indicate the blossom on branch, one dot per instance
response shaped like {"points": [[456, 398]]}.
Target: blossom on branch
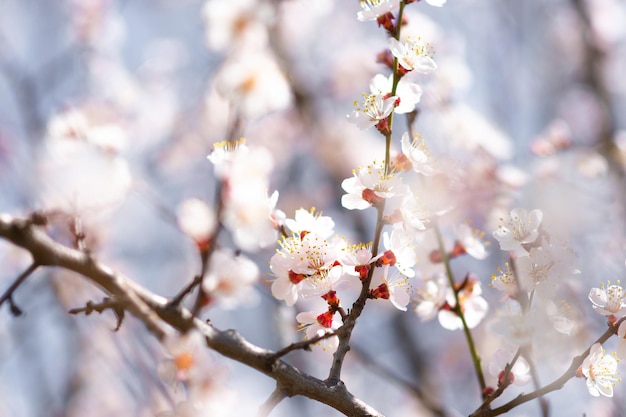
{"points": [[373, 110], [370, 186], [600, 371], [418, 154], [609, 300], [413, 55], [408, 93], [389, 284]]}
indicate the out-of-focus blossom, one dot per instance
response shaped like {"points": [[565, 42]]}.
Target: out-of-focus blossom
{"points": [[520, 372], [519, 228], [408, 93], [431, 297], [516, 326], [223, 153], [504, 280], [82, 169], [184, 356], [413, 55], [400, 243], [418, 154], [468, 129], [254, 83], [609, 300], [370, 186], [373, 109], [230, 279], [547, 263], [197, 220], [415, 215], [436, 3], [238, 22], [556, 137], [248, 211], [562, 316], [373, 9], [471, 241], [473, 306], [600, 371]]}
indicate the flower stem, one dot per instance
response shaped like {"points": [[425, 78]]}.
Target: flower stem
{"points": [[459, 311], [334, 375]]}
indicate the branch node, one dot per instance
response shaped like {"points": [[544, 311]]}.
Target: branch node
{"points": [[106, 304]]}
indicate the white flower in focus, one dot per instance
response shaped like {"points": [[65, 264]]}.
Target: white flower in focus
{"points": [[357, 260], [196, 219], [254, 83], [391, 285], [520, 228], [306, 267], [413, 55], [520, 372], [408, 93], [418, 154], [373, 109], [609, 300], [230, 278], [310, 222], [600, 371], [315, 325], [370, 186], [372, 9]]}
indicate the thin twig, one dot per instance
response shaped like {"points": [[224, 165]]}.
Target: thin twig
{"points": [[274, 399], [7, 296], [303, 345]]}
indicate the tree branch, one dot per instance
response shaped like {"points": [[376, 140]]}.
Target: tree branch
{"points": [[154, 310]]}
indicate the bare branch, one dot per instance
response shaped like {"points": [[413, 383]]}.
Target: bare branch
{"points": [[153, 310], [274, 399], [106, 304], [8, 294]]}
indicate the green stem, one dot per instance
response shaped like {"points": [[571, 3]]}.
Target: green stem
{"points": [[459, 311]]}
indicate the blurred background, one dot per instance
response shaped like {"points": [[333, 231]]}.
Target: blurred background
{"points": [[108, 110]]}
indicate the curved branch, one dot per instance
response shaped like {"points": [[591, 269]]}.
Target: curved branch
{"points": [[154, 310]]}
